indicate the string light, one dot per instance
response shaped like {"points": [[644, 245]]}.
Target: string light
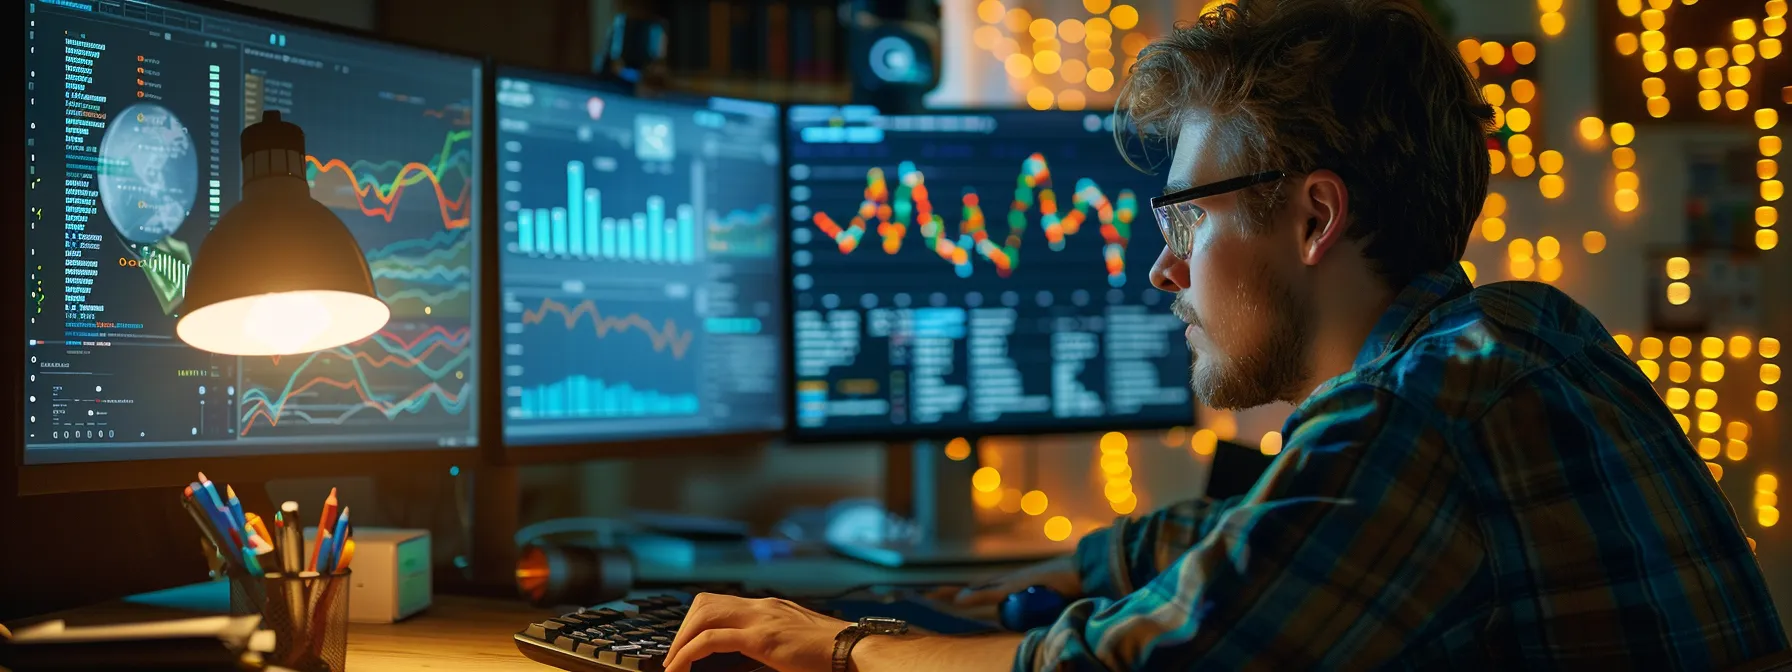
{"points": [[1712, 371], [1710, 422], [1058, 528], [1740, 347], [1770, 374], [1592, 128], [1651, 347], [1685, 58], [1709, 448], [1033, 503], [1736, 99], [1676, 398], [1679, 372], [1705, 399], [1711, 347], [1594, 243], [1735, 450], [1680, 347], [1623, 133], [1627, 43]]}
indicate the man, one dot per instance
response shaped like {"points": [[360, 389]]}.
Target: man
{"points": [[1473, 478]]}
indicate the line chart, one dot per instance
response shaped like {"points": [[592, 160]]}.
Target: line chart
{"points": [[453, 209], [895, 213], [666, 337], [311, 393]]}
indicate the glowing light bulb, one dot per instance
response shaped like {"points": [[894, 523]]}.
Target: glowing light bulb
{"points": [[1623, 133], [1685, 58], [1740, 346], [1678, 268], [1680, 347], [1551, 186], [1769, 347], [1676, 398], [1705, 399], [1594, 243], [1651, 347], [1623, 158], [1711, 347], [1712, 371], [1767, 239], [1770, 145], [1592, 128], [1205, 442], [1709, 448], [1033, 503], [1766, 400], [1058, 528], [1624, 342], [1679, 372], [1468, 269], [1770, 374]]}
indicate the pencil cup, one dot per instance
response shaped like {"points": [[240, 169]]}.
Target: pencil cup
{"points": [[309, 616], [248, 594]]}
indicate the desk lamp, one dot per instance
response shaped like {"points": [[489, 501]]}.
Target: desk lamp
{"points": [[280, 274]]}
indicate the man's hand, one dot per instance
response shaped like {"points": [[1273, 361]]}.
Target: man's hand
{"points": [[775, 632], [1059, 574]]}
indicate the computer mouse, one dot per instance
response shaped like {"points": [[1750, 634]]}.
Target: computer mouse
{"points": [[1035, 607]]}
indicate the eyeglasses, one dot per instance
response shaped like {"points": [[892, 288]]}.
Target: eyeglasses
{"points": [[1177, 214]]}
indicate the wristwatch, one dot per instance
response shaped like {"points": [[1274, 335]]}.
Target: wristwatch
{"points": [[869, 625]]}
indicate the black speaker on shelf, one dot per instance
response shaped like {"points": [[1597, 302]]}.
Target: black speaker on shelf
{"points": [[893, 48]]}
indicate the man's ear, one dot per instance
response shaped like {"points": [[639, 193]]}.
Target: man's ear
{"points": [[1323, 203]]}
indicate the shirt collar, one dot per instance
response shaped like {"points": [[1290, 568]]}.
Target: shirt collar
{"points": [[1411, 306]]}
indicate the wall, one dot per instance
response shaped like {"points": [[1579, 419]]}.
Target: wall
{"points": [[350, 13]]}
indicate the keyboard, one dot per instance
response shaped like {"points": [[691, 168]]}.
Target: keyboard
{"points": [[629, 634]]}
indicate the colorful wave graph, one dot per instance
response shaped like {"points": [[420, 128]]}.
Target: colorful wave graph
{"points": [[426, 276], [370, 179], [667, 337], [367, 369], [895, 213]]}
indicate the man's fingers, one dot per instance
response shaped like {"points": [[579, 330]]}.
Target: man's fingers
{"points": [[706, 643], [709, 610]]}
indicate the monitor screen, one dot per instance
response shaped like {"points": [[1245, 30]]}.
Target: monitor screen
{"points": [[642, 291], [975, 273], [134, 111]]}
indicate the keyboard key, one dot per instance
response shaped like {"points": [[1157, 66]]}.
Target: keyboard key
{"points": [[642, 662], [566, 643], [536, 631]]}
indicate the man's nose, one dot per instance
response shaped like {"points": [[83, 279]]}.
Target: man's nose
{"points": [[1169, 273]]}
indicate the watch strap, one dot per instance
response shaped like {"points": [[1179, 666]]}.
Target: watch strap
{"points": [[843, 644]]}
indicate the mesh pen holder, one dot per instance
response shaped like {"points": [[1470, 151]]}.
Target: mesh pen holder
{"points": [[308, 614]]}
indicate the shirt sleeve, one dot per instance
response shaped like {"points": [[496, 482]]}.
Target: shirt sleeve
{"points": [[1115, 560], [1353, 541]]}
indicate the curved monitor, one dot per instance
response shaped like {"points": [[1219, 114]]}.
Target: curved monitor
{"points": [[641, 265], [133, 114], [974, 273]]}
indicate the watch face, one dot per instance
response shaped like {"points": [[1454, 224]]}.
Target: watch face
{"points": [[880, 625]]}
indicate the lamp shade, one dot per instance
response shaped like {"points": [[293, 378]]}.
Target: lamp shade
{"points": [[280, 274]]}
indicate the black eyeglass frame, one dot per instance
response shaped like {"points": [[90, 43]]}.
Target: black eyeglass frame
{"points": [[1180, 238]]}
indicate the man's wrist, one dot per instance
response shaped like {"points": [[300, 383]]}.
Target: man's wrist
{"points": [[872, 647]]}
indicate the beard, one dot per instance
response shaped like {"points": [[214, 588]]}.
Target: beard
{"points": [[1269, 370]]}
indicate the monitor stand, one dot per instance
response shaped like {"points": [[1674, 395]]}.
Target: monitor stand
{"points": [[922, 484]]}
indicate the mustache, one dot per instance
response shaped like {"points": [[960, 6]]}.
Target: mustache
{"points": [[1184, 311]]}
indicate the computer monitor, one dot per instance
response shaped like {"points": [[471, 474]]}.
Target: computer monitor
{"points": [[133, 113], [974, 273], [642, 277]]}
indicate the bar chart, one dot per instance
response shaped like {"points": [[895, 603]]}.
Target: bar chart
{"points": [[579, 229], [582, 397]]}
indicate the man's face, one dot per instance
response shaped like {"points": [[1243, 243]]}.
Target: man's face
{"points": [[1240, 290]]}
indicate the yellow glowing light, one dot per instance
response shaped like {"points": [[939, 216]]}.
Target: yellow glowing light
{"points": [[1098, 27], [1117, 490], [1736, 99], [1627, 44], [1710, 422], [1767, 483], [1100, 79], [1043, 29], [1717, 470], [1766, 117], [1496, 161], [1676, 398], [1772, 190], [1039, 98], [1767, 516], [1206, 442], [1770, 145], [1653, 41], [1549, 270], [1738, 75], [1125, 506], [1113, 464], [1058, 528], [1653, 19], [958, 449], [1519, 144], [991, 11], [1711, 347], [1010, 500], [1018, 66], [1520, 248], [1651, 347], [1766, 400], [1018, 19], [1743, 28], [1519, 120], [1493, 229], [1468, 269], [1134, 43], [1521, 268], [1776, 9], [1678, 268], [1717, 57], [1113, 442], [1710, 100], [1625, 200], [1548, 247], [1685, 58], [1469, 49], [1551, 186], [1705, 399], [1033, 503], [1070, 30], [1225, 425], [1658, 107], [1709, 448], [1654, 86], [1737, 430], [1685, 422], [1743, 54], [1592, 128], [1124, 17], [1766, 499], [1550, 161], [1655, 61], [1623, 158], [1494, 93], [1523, 90], [1626, 180], [1494, 205], [1099, 42], [1523, 165], [1740, 347], [1623, 133], [1552, 24], [1680, 347], [1679, 293], [1047, 62], [986, 479], [1679, 372], [989, 500], [1650, 369], [1073, 71], [1096, 6], [1770, 374], [1271, 443], [1767, 239], [1492, 53], [1768, 347], [1624, 342], [1071, 99], [1766, 169], [1593, 242], [1525, 52], [1630, 7], [1771, 47]]}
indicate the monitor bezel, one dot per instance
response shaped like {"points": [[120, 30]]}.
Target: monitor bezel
{"points": [[352, 459], [501, 450], [798, 435]]}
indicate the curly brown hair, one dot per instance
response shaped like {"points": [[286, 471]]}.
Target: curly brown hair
{"points": [[1368, 89]]}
